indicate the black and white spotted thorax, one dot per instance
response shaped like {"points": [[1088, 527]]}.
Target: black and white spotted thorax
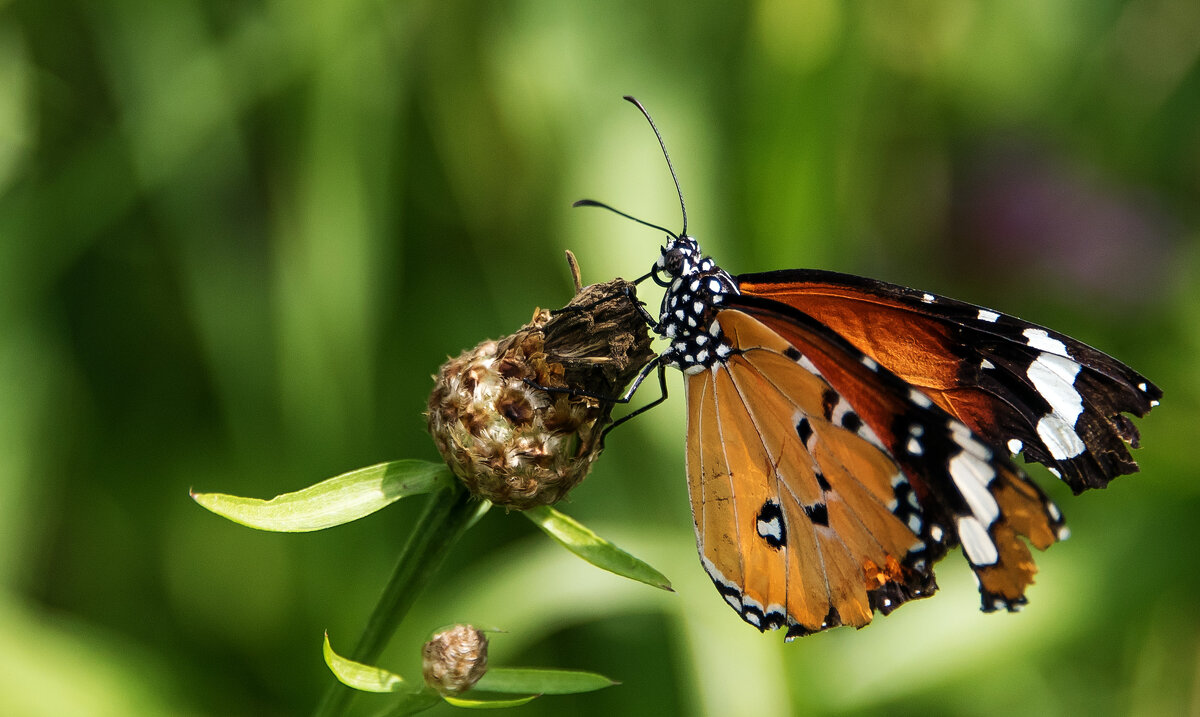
{"points": [[696, 287]]}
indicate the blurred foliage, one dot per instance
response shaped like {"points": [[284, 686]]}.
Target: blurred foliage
{"points": [[236, 238]]}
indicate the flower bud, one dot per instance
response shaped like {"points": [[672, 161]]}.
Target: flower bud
{"points": [[518, 445], [454, 659]]}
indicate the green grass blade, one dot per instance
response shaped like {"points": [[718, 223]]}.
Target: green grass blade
{"points": [[480, 704], [331, 502], [522, 680], [572, 535], [359, 676]]}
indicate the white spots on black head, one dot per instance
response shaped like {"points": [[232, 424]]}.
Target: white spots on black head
{"points": [[976, 542], [988, 316], [928, 298], [1015, 445], [770, 525], [715, 286]]}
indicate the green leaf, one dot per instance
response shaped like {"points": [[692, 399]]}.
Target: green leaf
{"points": [[594, 549], [331, 502], [475, 703], [413, 702], [359, 676], [521, 680]]}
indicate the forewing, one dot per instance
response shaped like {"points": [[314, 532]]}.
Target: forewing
{"points": [[1015, 384]]}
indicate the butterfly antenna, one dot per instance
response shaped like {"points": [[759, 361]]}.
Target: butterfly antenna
{"points": [[602, 205], [666, 155]]}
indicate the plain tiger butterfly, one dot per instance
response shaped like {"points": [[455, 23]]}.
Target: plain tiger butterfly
{"points": [[844, 434]]}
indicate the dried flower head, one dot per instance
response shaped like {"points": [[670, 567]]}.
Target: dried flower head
{"points": [[520, 446], [454, 659]]}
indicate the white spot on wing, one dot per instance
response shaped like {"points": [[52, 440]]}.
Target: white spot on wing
{"points": [[967, 441], [976, 542], [870, 363], [770, 529], [1054, 378], [928, 298], [919, 398], [1015, 445], [989, 316], [1039, 339], [1060, 438], [972, 476]]}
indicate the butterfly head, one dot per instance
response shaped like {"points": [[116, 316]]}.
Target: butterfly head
{"points": [[680, 258]]}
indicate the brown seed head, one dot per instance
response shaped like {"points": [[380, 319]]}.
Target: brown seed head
{"points": [[454, 659], [520, 446]]}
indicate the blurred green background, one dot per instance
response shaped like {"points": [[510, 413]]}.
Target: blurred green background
{"points": [[237, 238]]}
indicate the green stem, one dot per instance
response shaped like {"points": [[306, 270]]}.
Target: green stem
{"points": [[448, 513]]}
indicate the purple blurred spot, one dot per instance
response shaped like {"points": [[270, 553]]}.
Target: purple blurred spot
{"points": [[1028, 214]]}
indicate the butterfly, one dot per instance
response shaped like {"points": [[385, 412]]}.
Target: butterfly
{"points": [[844, 434]]}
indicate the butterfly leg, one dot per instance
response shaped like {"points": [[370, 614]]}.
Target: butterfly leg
{"points": [[662, 387]]}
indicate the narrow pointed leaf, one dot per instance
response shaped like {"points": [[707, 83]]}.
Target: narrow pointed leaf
{"points": [[359, 676], [475, 703], [331, 502], [592, 548], [520, 680]]}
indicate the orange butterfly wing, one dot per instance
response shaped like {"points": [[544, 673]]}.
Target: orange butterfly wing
{"points": [[808, 510], [1014, 383]]}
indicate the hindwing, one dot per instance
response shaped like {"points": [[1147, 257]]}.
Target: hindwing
{"points": [[824, 488]]}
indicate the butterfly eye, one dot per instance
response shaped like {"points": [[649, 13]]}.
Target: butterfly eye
{"points": [[673, 262]]}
